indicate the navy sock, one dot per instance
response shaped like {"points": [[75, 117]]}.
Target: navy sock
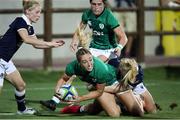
{"points": [[20, 99]]}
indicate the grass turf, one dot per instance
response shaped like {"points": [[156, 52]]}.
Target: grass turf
{"points": [[40, 86]]}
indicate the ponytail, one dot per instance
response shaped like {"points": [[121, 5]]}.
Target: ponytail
{"points": [[84, 38], [130, 69]]}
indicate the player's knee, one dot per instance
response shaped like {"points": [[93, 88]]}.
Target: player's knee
{"points": [[136, 111], [115, 114], [150, 109], [21, 86]]}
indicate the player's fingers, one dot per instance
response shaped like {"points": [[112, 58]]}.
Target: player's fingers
{"points": [[71, 79]]}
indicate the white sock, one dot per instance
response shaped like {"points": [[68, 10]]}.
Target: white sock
{"points": [[56, 100], [82, 109], [18, 93]]}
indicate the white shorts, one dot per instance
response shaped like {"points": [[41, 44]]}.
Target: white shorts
{"points": [[5, 68], [109, 53], [139, 89]]}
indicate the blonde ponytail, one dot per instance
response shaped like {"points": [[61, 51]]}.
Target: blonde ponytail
{"points": [[84, 38], [129, 68]]}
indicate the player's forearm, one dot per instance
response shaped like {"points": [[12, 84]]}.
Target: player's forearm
{"points": [[60, 82], [121, 37], [90, 95], [37, 43], [111, 89]]}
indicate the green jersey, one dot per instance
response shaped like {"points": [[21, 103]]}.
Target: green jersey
{"points": [[102, 26], [101, 73]]}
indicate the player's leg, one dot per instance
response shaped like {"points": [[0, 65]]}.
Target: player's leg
{"points": [[2, 73], [108, 103], [92, 108], [149, 104], [14, 77], [105, 102], [133, 105]]}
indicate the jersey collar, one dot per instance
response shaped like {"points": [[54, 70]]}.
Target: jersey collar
{"points": [[26, 19]]}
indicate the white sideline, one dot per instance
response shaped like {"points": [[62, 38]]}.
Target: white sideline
{"points": [[7, 114]]}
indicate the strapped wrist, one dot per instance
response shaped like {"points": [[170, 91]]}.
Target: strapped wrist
{"points": [[120, 46]]}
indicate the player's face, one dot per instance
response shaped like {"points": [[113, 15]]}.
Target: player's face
{"points": [[87, 62], [97, 6], [34, 14]]}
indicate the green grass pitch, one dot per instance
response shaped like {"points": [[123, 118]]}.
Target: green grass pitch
{"points": [[40, 86]]}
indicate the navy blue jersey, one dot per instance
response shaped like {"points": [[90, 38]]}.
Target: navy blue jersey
{"points": [[139, 77], [11, 40]]}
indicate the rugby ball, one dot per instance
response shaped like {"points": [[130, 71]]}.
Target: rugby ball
{"points": [[66, 92]]}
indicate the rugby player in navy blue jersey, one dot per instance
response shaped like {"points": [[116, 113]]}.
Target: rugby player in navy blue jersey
{"points": [[138, 86], [21, 30]]}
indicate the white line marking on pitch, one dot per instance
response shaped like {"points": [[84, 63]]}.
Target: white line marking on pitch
{"points": [[7, 114]]}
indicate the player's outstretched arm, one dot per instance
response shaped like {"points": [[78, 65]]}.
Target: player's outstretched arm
{"points": [[32, 40]]}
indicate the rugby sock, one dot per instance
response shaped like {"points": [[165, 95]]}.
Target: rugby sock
{"points": [[55, 100], [82, 109], [71, 109], [20, 99]]}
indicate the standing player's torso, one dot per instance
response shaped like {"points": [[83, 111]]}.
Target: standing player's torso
{"points": [[11, 40], [102, 28]]}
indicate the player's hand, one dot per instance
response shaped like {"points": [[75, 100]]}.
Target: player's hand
{"points": [[76, 100], [61, 42], [117, 51], [56, 43]]}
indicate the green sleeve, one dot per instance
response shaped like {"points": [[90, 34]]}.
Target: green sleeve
{"points": [[85, 16], [69, 69], [112, 21]]}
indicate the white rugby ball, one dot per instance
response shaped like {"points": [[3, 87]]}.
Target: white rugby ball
{"points": [[66, 92]]}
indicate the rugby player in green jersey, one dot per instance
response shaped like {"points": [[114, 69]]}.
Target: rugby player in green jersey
{"points": [[108, 37], [99, 74]]}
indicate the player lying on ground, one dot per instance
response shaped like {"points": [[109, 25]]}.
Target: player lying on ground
{"points": [[132, 73], [127, 64], [94, 71]]}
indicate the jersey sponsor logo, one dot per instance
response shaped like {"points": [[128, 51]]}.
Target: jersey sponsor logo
{"points": [[97, 33]]}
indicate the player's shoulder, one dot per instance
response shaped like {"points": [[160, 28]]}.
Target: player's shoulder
{"points": [[73, 65], [19, 19], [100, 65], [108, 11], [87, 12]]}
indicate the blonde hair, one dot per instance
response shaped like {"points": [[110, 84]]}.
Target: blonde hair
{"points": [[30, 4], [130, 69], [84, 37]]}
